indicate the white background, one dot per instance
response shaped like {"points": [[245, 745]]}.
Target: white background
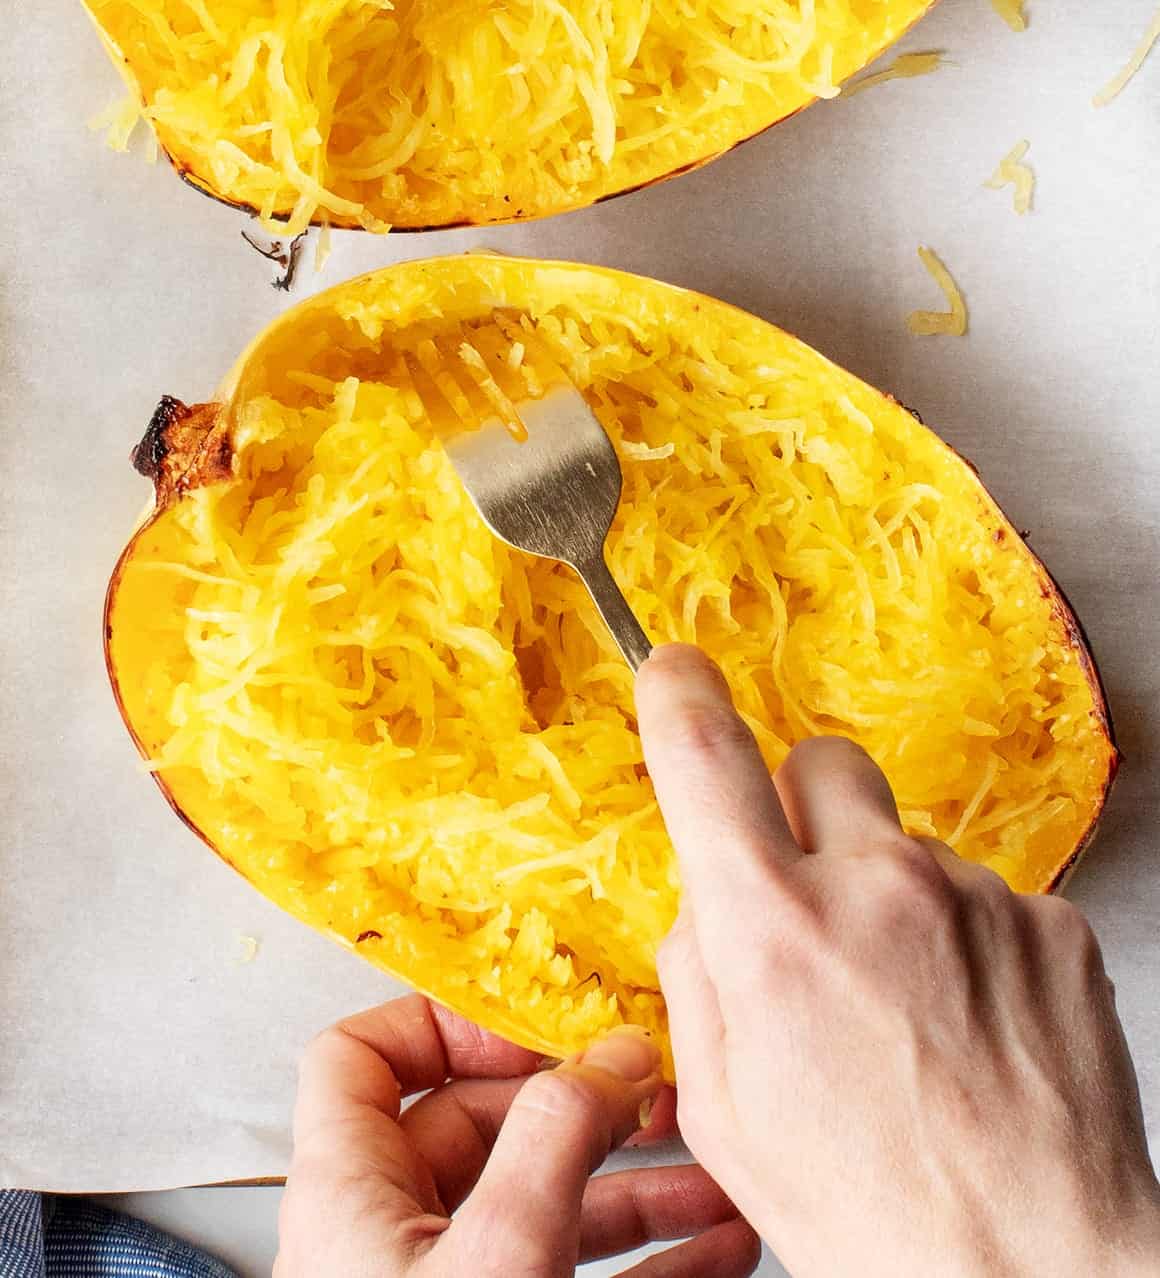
{"points": [[136, 1051]]}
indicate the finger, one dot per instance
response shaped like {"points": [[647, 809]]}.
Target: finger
{"points": [[381, 1055], [658, 1120], [454, 1128], [731, 1250], [835, 796], [352, 1079], [696, 1027], [560, 1128], [627, 1209], [712, 784]]}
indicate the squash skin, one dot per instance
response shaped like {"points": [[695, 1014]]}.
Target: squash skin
{"points": [[185, 448], [188, 167]]}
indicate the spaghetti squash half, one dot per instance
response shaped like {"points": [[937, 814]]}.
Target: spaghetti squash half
{"points": [[423, 742], [422, 113]]}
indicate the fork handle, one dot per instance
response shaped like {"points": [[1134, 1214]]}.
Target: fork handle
{"points": [[618, 616]]}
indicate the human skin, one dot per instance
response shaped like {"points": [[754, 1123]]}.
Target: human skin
{"points": [[891, 1062], [508, 1146]]}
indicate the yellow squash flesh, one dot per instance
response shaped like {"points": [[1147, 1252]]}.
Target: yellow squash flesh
{"points": [[423, 742], [430, 113]]}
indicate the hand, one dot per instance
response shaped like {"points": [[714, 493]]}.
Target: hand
{"points": [[892, 1063], [510, 1150]]}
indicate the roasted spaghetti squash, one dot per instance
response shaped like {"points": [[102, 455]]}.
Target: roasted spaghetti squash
{"points": [[418, 113], [423, 742]]}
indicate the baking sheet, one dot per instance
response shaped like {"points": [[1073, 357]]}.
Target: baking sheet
{"points": [[137, 1048]]}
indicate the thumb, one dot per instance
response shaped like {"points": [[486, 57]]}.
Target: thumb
{"points": [[524, 1214]]}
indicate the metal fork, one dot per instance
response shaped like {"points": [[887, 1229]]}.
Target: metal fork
{"points": [[553, 492]]}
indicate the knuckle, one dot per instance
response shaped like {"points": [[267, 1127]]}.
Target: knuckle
{"points": [[995, 909], [908, 877], [322, 1045], [709, 731], [826, 751], [1060, 916], [992, 889], [1067, 925], [934, 848], [563, 1099]]}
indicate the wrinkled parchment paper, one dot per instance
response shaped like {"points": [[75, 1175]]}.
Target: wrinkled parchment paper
{"points": [[138, 1047]]}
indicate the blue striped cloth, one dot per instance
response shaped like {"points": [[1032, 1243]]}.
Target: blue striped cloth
{"points": [[71, 1238]]}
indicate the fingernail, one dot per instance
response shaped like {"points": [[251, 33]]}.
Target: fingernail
{"points": [[646, 1109], [628, 1053]]}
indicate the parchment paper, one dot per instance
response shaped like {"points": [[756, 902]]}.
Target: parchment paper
{"points": [[137, 1050]]}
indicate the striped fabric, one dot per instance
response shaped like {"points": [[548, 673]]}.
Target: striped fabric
{"points": [[21, 1235], [72, 1238]]}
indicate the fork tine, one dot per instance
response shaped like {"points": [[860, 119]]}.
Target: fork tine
{"points": [[440, 412], [518, 333], [413, 404], [435, 365], [478, 369]]}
